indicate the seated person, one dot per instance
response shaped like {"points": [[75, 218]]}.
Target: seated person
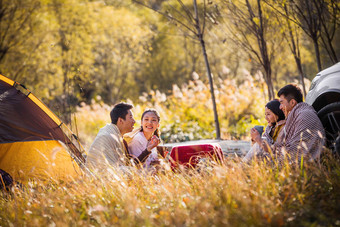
{"points": [[139, 139], [276, 120], [302, 136], [108, 147]]}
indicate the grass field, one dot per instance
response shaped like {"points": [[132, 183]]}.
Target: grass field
{"points": [[231, 194]]}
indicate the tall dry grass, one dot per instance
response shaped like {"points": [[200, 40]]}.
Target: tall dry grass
{"points": [[231, 194]]}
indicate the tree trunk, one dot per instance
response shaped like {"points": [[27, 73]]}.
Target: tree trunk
{"points": [[299, 66], [264, 51], [328, 15], [66, 113], [329, 48], [200, 36], [317, 53], [269, 83], [217, 124], [294, 47]]}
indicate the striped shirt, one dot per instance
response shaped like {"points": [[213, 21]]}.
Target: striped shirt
{"points": [[302, 136]]}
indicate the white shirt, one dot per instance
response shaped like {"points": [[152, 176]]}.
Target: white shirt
{"points": [[107, 149], [138, 144]]}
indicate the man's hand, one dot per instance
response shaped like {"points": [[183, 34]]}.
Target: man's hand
{"points": [[153, 143]]}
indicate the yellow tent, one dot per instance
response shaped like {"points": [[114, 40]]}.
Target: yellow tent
{"points": [[33, 142]]}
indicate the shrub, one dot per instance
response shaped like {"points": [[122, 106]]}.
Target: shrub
{"points": [[187, 113]]}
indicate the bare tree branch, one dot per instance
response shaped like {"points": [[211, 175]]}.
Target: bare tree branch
{"points": [[167, 16]]}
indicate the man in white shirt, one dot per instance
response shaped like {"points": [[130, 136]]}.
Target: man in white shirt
{"points": [[108, 147]]}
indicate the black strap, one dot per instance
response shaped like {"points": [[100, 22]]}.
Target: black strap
{"points": [[140, 159]]}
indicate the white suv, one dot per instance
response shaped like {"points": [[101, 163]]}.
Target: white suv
{"points": [[324, 96]]}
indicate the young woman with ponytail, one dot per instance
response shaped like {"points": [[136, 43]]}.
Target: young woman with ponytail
{"points": [[139, 139]]}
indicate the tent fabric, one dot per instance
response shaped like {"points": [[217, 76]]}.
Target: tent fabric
{"points": [[33, 143], [44, 160], [23, 117]]}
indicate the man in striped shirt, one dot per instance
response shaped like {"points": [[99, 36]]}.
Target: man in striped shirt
{"points": [[303, 136]]}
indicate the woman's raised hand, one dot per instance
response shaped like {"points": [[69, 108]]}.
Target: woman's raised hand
{"points": [[154, 141]]}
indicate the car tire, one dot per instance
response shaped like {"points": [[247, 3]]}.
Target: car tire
{"points": [[330, 118]]}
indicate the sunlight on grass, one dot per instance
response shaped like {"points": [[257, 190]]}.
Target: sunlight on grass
{"points": [[229, 194]]}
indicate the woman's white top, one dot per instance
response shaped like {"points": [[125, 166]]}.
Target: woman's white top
{"points": [[138, 144]]}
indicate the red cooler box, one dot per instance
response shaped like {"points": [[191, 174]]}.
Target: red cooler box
{"points": [[190, 155]]}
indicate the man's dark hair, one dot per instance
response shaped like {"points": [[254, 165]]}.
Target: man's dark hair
{"points": [[120, 110], [290, 92]]}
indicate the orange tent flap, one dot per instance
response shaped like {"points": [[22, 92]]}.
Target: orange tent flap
{"points": [[43, 160]]}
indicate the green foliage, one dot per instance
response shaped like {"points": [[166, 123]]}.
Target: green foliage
{"points": [[68, 52], [243, 126], [186, 113], [117, 71]]}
